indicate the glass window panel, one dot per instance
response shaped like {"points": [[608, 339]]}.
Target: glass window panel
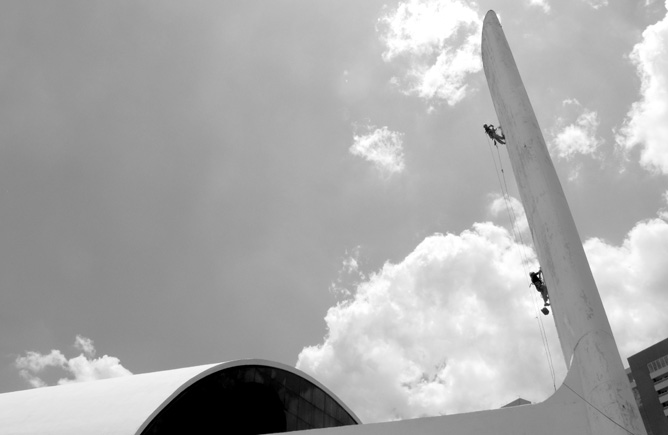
{"points": [[318, 418], [348, 420], [290, 422], [306, 390], [292, 382], [249, 376], [302, 425], [264, 371], [329, 421], [306, 411], [341, 414], [281, 393], [292, 405], [330, 406], [280, 378], [319, 398]]}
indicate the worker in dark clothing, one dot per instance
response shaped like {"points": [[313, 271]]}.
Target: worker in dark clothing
{"points": [[491, 132], [537, 281]]}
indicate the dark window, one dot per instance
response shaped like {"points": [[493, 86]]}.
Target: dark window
{"points": [[249, 400], [319, 398]]}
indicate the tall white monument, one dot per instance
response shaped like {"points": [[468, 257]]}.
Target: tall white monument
{"points": [[595, 398], [584, 331]]}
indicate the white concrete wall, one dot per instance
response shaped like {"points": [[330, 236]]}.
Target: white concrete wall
{"points": [[561, 414]]}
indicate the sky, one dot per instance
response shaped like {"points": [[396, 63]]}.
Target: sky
{"points": [[309, 182]]}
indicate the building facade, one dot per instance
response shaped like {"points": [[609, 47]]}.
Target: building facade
{"points": [[241, 397], [649, 379]]}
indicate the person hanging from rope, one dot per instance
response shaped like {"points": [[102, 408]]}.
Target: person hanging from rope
{"points": [[537, 281], [491, 132]]}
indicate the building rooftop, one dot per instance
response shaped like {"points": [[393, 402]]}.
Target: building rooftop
{"points": [[151, 402]]}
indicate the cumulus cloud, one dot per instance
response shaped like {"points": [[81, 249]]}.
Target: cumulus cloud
{"points": [[513, 209], [437, 45], [646, 124], [578, 137], [85, 345], [632, 279], [349, 275], [454, 327], [81, 368], [382, 147], [451, 328]]}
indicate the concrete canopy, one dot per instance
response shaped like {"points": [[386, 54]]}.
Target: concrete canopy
{"points": [[124, 405]]}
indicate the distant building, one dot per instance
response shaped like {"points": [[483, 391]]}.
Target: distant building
{"points": [[648, 373], [243, 397]]}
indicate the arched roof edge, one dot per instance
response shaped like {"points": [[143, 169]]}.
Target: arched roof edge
{"points": [[238, 363]]}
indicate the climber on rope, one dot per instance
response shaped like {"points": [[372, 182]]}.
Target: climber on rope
{"points": [[537, 281], [491, 132]]}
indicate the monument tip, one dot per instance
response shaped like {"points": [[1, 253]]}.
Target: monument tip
{"points": [[490, 19]]}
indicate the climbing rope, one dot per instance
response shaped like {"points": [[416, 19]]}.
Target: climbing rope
{"points": [[517, 234], [601, 412]]}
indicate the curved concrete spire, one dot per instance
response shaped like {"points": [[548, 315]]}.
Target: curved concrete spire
{"points": [[584, 331]]}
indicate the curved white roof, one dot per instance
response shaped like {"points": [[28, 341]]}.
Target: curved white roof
{"points": [[115, 406]]}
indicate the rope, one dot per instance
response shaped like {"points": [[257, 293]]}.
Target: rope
{"points": [[600, 412], [541, 326], [517, 234]]}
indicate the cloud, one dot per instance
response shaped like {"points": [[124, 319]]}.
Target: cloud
{"points": [[512, 208], [631, 279], [85, 345], [440, 332], [82, 368], [382, 147], [646, 124], [349, 275], [437, 45], [35, 362], [597, 4], [543, 4], [663, 212], [454, 327], [578, 137]]}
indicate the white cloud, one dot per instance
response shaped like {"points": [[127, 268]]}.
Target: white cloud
{"points": [[543, 4], [512, 208], [439, 332], [646, 124], [85, 345], [452, 328], [35, 362], [81, 368], [597, 4], [632, 280], [382, 147], [663, 212], [578, 137], [349, 275], [437, 43]]}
